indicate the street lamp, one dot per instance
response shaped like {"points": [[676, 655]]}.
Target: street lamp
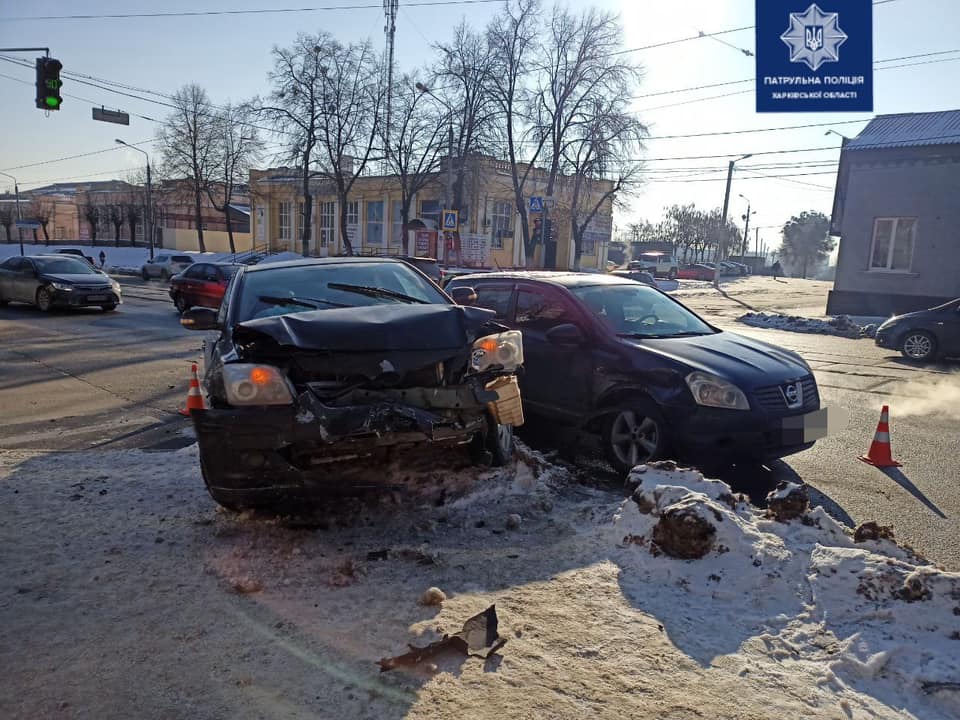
{"points": [[148, 209], [839, 135], [448, 200], [723, 219], [16, 192]]}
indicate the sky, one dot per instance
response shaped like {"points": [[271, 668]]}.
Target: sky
{"points": [[229, 55]]}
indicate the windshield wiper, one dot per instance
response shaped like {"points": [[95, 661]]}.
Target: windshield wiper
{"points": [[302, 301], [375, 292], [659, 336]]}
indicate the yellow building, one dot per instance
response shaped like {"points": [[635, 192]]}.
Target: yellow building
{"points": [[490, 228]]}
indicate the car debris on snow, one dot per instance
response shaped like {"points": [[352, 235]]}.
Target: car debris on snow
{"points": [[478, 638]]}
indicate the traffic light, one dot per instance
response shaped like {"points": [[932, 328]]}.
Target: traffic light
{"points": [[537, 230], [49, 83]]}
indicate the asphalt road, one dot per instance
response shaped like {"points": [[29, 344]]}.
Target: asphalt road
{"points": [[80, 380]]}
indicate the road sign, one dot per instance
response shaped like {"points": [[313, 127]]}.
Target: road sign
{"points": [[112, 116], [536, 203], [549, 202], [450, 221], [28, 224]]}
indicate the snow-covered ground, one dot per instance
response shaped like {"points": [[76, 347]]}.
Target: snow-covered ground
{"points": [[841, 325], [203, 613]]}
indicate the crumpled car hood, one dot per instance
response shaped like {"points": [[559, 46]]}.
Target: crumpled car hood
{"points": [[374, 328]]}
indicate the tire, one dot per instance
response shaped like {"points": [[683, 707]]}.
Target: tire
{"points": [[181, 303], [144, 274], [636, 436], [44, 299], [919, 345], [3, 302], [495, 446], [672, 275], [109, 307]]}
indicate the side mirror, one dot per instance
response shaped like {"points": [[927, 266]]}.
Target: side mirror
{"points": [[464, 295], [568, 335], [200, 318]]}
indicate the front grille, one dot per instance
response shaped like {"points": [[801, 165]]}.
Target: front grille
{"points": [[91, 288], [770, 398]]}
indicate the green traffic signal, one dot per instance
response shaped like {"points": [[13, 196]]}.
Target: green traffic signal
{"points": [[53, 102]]}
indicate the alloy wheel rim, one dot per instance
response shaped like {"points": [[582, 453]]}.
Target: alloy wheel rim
{"points": [[917, 346], [43, 300], [634, 438]]}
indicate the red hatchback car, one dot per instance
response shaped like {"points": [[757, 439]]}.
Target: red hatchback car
{"points": [[202, 284]]}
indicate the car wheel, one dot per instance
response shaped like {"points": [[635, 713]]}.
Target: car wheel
{"points": [[919, 345], [3, 301], [44, 299], [495, 446], [109, 307], [635, 436], [144, 274], [672, 275], [181, 303]]}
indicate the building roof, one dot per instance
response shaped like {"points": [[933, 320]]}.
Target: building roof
{"points": [[908, 130]]}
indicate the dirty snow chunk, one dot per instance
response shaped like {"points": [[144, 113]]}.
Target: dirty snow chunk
{"points": [[432, 597], [514, 521], [841, 326], [660, 486], [788, 502], [683, 532], [872, 531]]}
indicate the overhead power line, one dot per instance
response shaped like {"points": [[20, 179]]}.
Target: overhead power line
{"points": [[253, 11]]}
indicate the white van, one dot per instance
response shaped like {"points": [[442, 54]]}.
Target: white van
{"points": [[658, 264]]}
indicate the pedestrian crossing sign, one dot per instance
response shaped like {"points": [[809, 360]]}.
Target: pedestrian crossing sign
{"points": [[536, 203], [450, 221]]}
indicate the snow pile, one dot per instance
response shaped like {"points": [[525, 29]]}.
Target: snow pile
{"points": [[841, 325], [857, 618]]}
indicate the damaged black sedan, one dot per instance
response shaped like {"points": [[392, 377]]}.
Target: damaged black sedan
{"points": [[324, 360]]}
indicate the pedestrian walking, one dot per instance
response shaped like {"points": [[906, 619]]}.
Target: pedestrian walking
{"points": [[103, 258], [777, 269]]}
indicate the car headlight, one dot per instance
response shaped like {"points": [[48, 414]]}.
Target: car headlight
{"points": [[63, 287], [248, 384], [713, 391], [502, 351], [887, 324], [115, 285]]}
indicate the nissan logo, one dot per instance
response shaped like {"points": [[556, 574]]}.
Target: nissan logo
{"points": [[792, 394]]}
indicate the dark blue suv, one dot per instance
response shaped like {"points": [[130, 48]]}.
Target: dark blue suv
{"points": [[618, 358]]}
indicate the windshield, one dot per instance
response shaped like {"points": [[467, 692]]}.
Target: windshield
{"points": [[64, 266], [640, 311], [324, 286]]}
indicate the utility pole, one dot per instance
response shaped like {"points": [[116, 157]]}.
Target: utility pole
{"points": [[746, 228], [148, 210], [721, 251], [448, 199], [390, 8], [756, 244], [16, 194]]}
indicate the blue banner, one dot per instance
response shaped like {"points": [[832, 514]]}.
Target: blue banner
{"points": [[814, 56]]}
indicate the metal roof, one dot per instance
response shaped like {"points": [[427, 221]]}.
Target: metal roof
{"points": [[908, 130]]}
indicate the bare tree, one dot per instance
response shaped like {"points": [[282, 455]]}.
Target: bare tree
{"points": [[133, 209], [512, 42], [463, 74], [601, 161], [415, 142], [115, 215], [40, 211], [188, 141], [91, 212], [241, 149], [326, 101]]}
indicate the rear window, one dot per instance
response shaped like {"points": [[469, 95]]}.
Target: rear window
{"points": [[182, 259]]}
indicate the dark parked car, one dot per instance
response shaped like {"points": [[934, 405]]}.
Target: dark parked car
{"points": [[428, 266], [623, 360], [75, 253], [51, 281], [201, 284], [324, 359], [924, 335]]}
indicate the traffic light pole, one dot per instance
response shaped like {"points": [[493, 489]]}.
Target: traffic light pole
{"points": [[16, 193], [45, 50]]}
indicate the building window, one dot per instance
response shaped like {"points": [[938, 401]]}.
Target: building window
{"points": [[286, 229], [893, 241], [327, 219], [502, 223], [396, 223], [375, 222], [430, 210]]}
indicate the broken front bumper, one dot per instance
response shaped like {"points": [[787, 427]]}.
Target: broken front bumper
{"points": [[285, 449]]}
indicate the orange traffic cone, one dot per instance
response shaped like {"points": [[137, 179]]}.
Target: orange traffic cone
{"points": [[194, 398], [880, 455]]}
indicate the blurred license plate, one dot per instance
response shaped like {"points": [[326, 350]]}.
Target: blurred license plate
{"points": [[807, 428], [96, 298]]}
